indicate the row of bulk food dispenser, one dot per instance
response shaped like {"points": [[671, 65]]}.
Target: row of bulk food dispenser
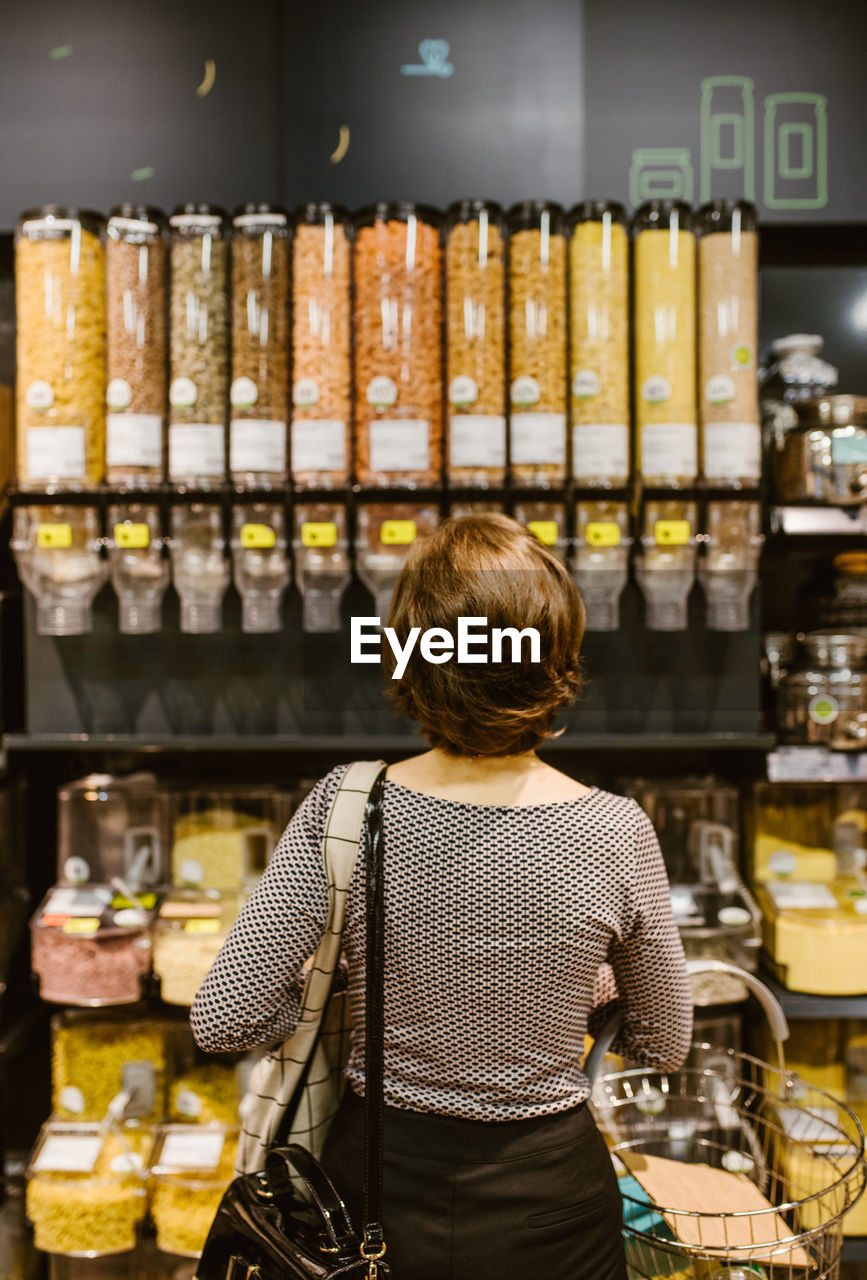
{"points": [[394, 346]]}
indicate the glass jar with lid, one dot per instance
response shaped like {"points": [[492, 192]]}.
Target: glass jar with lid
{"points": [[60, 308], [476, 343], [198, 346], [599, 343], [537, 332], [821, 454], [321, 346], [666, 451], [259, 393], [136, 281], [823, 700], [398, 346], [728, 320]]}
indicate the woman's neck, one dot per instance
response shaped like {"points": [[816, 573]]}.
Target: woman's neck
{"points": [[519, 779]]}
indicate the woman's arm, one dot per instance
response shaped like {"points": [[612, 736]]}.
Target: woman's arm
{"points": [[251, 995], [649, 966]]}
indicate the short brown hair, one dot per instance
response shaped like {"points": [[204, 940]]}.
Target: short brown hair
{"points": [[487, 566]]}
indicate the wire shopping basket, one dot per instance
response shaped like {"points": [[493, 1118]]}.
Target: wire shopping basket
{"points": [[730, 1171]]}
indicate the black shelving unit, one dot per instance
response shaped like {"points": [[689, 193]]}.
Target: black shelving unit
{"points": [[799, 1006]]}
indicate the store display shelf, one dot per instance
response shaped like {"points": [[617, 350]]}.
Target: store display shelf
{"points": [[798, 1006], [12, 742]]}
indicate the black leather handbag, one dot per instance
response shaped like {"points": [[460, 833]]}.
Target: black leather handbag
{"points": [[263, 1229]]}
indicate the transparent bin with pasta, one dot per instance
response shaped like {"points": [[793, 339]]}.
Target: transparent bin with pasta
{"points": [[136, 265], [322, 568], [600, 565], [113, 831], [665, 570], [95, 1058], [321, 346], [198, 346], [384, 534], [547, 522], [666, 440], [476, 343], [398, 347], [192, 1166], [59, 559], [223, 837], [205, 1093], [86, 1188], [537, 331], [60, 310], [599, 343], [728, 331], [259, 394], [191, 928]]}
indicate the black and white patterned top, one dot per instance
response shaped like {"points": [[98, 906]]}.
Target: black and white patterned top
{"points": [[499, 922]]}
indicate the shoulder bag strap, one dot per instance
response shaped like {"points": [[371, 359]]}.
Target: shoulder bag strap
{"points": [[373, 1245]]}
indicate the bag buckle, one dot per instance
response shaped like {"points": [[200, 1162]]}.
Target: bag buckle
{"points": [[371, 1256]]}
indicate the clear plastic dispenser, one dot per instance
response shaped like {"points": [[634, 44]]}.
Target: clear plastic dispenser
{"points": [[139, 569], [547, 522], [666, 568], [259, 557], [384, 536], [728, 570], [57, 551], [222, 838], [191, 1168], [601, 564], [322, 571], [200, 569], [113, 830]]}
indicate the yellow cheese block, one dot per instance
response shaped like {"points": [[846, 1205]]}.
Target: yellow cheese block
{"points": [[820, 950]]}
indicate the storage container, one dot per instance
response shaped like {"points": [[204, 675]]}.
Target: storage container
{"points": [[398, 346], [322, 566], [259, 392], [383, 536], [321, 346], [223, 837], [824, 699], [86, 951], [91, 1057], [136, 394], [260, 558], [476, 343], [822, 454], [112, 828], [665, 570], [537, 331], [190, 930], [600, 564], [60, 310], [599, 343], [192, 1166], [198, 346], [547, 522], [59, 559]]}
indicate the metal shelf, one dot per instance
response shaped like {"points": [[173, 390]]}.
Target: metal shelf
{"points": [[800, 1007]]}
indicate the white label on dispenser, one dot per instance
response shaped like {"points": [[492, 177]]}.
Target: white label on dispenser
{"points": [[720, 389], [669, 449], [56, 451], [257, 444], [76, 870], [381, 391], [196, 1150], [525, 391], [192, 872], [400, 444], [800, 895], [732, 450], [183, 393], [600, 449], [197, 449], [77, 902], [305, 393], [586, 384], [243, 393], [538, 439], [118, 394], [71, 1099], [656, 390], [189, 1104], [319, 444], [477, 440], [134, 440], [39, 395], [68, 1153], [463, 390]]}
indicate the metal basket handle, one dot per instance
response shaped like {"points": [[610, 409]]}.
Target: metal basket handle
{"points": [[773, 1010]]}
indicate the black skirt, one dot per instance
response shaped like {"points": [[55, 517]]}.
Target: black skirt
{"points": [[476, 1200]]}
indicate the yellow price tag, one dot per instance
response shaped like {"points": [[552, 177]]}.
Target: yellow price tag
{"points": [[671, 533], [81, 924], [603, 533], [397, 533], [202, 926], [257, 536], [318, 533], [54, 536], [132, 537], [545, 530]]}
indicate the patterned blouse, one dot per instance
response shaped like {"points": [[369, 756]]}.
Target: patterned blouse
{"points": [[500, 923]]}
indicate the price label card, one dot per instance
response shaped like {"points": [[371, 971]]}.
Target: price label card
{"points": [[671, 533], [196, 1149], [397, 533], [603, 533], [82, 924], [131, 536], [257, 536], [545, 530], [201, 926], [68, 1153], [318, 533], [54, 537]]}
